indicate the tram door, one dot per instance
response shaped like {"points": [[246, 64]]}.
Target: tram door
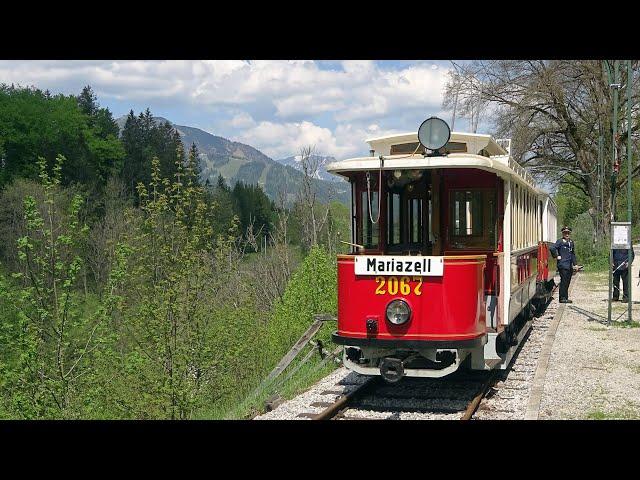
{"points": [[409, 212]]}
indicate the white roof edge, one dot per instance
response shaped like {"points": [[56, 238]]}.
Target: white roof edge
{"points": [[454, 160]]}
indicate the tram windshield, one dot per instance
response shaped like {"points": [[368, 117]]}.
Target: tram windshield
{"points": [[425, 212]]}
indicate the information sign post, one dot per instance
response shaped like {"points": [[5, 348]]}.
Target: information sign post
{"points": [[620, 240]]}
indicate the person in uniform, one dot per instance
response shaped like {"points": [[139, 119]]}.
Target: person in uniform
{"points": [[564, 251], [621, 270]]}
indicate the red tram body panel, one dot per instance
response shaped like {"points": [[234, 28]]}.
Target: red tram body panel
{"points": [[448, 308]]}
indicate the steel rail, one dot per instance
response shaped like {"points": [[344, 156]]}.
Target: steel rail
{"points": [[342, 402], [475, 402]]}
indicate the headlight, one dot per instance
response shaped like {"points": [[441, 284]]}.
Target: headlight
{"points": [[398, 312]]}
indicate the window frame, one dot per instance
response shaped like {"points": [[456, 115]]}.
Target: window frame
{"points": [[474, 241], [421, 192]]}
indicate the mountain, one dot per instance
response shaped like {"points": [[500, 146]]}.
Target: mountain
{"points": [[239, 162], [322, 174]]}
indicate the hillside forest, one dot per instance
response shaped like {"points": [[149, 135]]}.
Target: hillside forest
{"points": [[130, 288]]}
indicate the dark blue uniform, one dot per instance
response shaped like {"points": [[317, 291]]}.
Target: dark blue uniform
{"points": [[566, 250], [621, 271]]}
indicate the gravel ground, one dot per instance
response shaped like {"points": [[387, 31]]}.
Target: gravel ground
{"points": [[509, 397], [341, 381], [594, 369]]}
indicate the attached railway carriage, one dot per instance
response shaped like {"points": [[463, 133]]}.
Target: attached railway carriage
{"points": [[449, 256]]}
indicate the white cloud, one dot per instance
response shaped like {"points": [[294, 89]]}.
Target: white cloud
{"points": [[415, 87], [242, 120], [277, 106], [330, 100], [279, 140], [294, 88]]}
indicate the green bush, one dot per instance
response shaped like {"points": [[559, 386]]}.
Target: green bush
{"points": [[594, 256], [311, 290]]}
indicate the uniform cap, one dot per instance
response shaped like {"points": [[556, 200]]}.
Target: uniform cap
{"points": [[566, 229]]}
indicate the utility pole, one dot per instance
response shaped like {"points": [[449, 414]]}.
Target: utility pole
{"points": [[615, 85], [629, 154], [600, 221]]}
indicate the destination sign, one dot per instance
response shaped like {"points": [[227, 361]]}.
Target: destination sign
{"points": [[399, 265]]}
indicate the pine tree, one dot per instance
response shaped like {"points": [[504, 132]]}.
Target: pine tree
{"points": [[194, 159], [88, 101], [144, 139]]}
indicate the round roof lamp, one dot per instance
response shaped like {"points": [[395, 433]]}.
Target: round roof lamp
{"points": [[434, 133]]}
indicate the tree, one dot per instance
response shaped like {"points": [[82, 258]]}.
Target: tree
{"points": [[88, 102], [35, 124], [270, 274], [313, 216], [171, 274], [101, 134], [554, 112], [100, 253], [143, 138], [194, 158], [55, 339], [254, 208], [223, 207]]}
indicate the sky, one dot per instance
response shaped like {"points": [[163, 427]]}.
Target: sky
{"points": [[276, 106]]}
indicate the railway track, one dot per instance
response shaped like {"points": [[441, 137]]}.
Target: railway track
{"points": [[454, 397]]}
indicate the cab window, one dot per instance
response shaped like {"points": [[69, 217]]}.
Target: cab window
{"points": [[408, 207], [365, 208], [369, 230]]}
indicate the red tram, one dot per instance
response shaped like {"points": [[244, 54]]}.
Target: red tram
{"points": [[449, 255]]}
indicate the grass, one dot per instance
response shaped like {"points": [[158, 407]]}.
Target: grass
{"points": [[596, 329], [625, 324], [254, 404], [621, 414], [597, 283]]}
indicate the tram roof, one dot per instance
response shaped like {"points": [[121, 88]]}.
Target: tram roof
{"points": [[475, 142], [499, 161]]}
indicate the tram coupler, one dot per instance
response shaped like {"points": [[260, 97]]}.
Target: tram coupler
{"points": [[391, 369]]}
